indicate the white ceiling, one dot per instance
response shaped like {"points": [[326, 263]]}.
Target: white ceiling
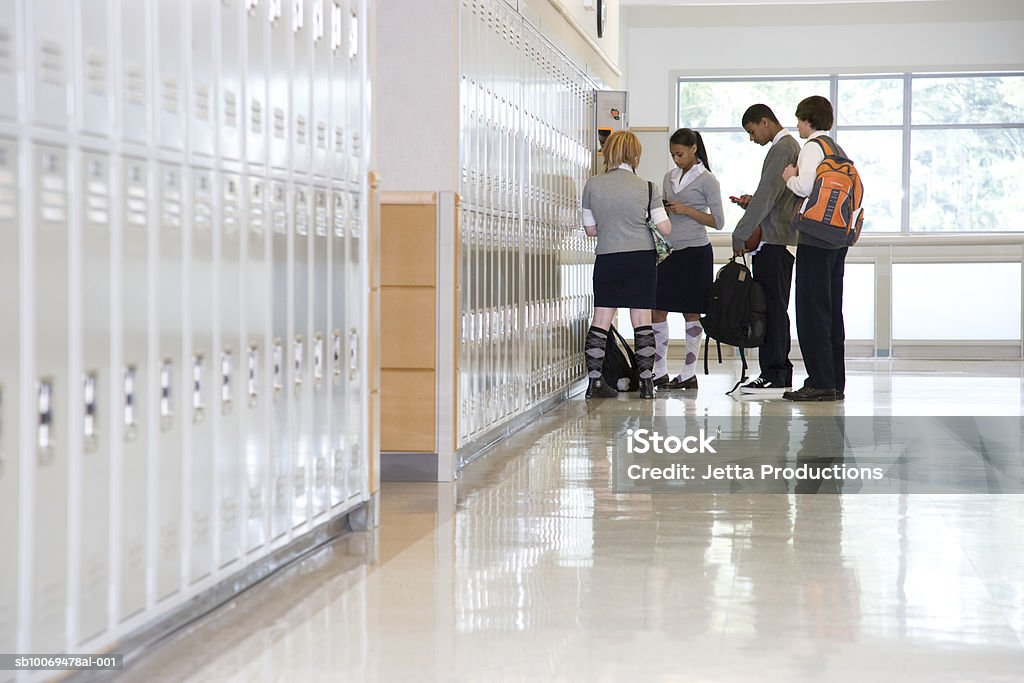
{"points": [[726, 3]]}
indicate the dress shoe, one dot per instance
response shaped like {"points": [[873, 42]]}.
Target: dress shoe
{"points": [[676, 383], [598, 389], [647, 388], [810, 394], [661, 381]]}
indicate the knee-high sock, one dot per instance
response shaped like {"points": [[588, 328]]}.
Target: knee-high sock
{"points": [[660, 348], [693, 334], [597, 342], [643, 339]]}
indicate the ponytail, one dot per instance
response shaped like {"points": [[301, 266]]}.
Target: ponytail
{"points": [[689, 138]]}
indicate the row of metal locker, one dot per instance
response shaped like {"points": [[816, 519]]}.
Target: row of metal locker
{"points": [[183, 376], [526, 123]]}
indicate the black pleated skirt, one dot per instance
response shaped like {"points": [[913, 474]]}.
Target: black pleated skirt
{"points": [[684, 280], [626, 279]]}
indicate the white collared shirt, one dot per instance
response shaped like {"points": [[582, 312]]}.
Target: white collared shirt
{"points": [[681, 180], [807, 166], [778, 136]]}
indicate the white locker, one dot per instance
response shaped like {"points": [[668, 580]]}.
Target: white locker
{"points": [[94, 90], [321, 435], [301, 81], [279, 111], [300, 356], [95, 490], [52, 404], [339, 354], [354, 408], [171, 75], [202, 361], [339, 93], [10, 351], [320, 116], [232, 366], [134, 387], [135, 91], [255, 113], [174, 382], [258, 302], [202, 84], [280, 444], [49, 40], [229, 81], [8, 62]]}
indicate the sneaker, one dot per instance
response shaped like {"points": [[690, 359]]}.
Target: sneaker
{"points": [[810, 394], [661, 381], [763, 387], [676, 383]]}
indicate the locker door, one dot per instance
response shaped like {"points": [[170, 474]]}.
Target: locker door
{"points": [[10, 495], [229, 81], [170, 53], [301, 81], [134, 96], [279, 86], [280, 450], [300, 359], [94, 511], [320, 120], [231, 372], [52, 406], [8, 70], [338, 354], [94, 91], [51, 76], [258, 303], [134, 388], [202, 362], [321, 417], [338, 125], [174, 379], [255, 111], [202, 85], [357, 382]]}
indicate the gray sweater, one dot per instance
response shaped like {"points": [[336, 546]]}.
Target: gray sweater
{"points": [[704, 193], [773, 204], [617, 200]]}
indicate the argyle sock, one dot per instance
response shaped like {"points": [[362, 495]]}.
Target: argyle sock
{"points": [[597, 341], [643, 340], [693, 334], [660, 348]]}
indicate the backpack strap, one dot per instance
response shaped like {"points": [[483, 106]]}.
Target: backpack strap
{"points": [[828, 148], [706, 340], [630, 356], [650, 196], [743, 372]]}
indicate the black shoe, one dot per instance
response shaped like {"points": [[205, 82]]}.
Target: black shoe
{"points": [[810, 394], [661, 381], [647, 388], [598, 389], [840, 396], [676, 383]]}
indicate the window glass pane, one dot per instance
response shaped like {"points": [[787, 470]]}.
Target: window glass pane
{"points": [[974, 99], [858, 303], [870, 102], [736, 162], [924, 294], [721, 104], [878, 155], [966, 180]]}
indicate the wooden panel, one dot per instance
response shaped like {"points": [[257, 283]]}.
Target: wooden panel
{"points": [[408, 245], [408, 411], [408, 328]]}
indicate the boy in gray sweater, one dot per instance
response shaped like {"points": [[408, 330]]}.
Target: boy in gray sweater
{"points": [[770, 211]]}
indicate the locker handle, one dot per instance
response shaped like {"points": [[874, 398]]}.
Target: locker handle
{"points": [[130, 422], [89, 431], [226, 362], [353, 354], [278, 361], [44, 435], [297, 353], [198, 407], [253, 367], [166, 405], [318, 360]]}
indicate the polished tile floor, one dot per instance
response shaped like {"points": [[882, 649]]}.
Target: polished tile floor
{"points": [[532, 567]]}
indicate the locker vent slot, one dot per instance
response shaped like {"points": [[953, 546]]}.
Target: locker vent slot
{"points": [[134, 84], [300, 130], [256, 209], [202, 94], [301, 214], [321, 217], [135, 196], [96, 73], [321, 135], [339, 140], [8, 190], [203, 210], [51, 63], [170, 208], [229, 211], [6, 50], [97, 209], [169, 94], [256, 117], [278, 123], [230, 109]]}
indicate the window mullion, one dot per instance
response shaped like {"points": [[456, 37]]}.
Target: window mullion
{"points": [[907, 104]]}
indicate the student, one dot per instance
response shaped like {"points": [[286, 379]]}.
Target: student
{"points": [[693, 198], [615, 207], [771, 208], [819, 271]]}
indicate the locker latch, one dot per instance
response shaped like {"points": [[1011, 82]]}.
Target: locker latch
{"points": [[253, 386], [198, 407], [44, 428], [89, 423], [130, 421], [166, 405], [226, 363]]}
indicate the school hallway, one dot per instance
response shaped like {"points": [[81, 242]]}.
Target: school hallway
{"points": [[531, 566]]}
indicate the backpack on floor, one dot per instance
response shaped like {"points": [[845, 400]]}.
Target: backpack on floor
{"points": [[834, 213], [619, 370], [736, 315]]}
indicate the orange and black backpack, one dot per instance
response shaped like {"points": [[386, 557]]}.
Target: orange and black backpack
{"points": [[833, 214]]}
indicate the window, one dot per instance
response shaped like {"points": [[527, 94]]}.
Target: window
{"points": [[938, 153]]}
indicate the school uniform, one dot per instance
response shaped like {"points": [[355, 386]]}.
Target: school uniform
{"points": [[685, 277]]}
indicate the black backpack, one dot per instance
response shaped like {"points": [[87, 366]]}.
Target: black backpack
{"points": [[619, 370], [736, 315]]}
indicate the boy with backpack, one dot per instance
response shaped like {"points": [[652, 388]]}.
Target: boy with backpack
{"points": [[820, 262]]}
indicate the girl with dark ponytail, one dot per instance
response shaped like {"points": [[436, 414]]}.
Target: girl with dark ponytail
{"points": [[693, 199]]}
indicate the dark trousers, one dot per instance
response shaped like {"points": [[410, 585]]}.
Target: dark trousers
{"points": [[773, 268], [819, 315]]}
